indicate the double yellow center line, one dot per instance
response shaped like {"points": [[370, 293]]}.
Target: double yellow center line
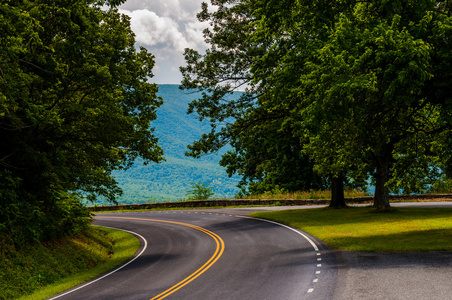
{"points": [[217, 254]]}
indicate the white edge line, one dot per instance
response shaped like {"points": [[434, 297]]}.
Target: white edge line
{"points": [[115, 270], [288, 227]]}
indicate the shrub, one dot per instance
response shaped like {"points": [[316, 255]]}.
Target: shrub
{"points": [[200, 191]]}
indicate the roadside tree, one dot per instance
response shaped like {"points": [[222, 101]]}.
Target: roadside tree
{"points": [[358, 81], [265, 152], [75, 104]]}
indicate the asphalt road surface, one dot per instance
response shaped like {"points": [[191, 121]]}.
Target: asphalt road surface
{"points": [[214, 255], [222, 254]]}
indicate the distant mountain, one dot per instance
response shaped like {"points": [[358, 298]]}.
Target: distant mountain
{"points": [[171, 180]]}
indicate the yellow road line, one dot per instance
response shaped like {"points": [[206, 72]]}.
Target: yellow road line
{"points": [[218, 252]]}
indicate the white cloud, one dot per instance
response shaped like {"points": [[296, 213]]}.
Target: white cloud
{"points": [[175, 9], [156, 31], [194, 33], [166, 28]]}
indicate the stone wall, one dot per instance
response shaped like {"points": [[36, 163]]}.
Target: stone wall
{"points": [[261, 202]]}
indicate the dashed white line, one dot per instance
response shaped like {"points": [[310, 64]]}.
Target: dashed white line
{"points": [[310, 290], [300, 233]]}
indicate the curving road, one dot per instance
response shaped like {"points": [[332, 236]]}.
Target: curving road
{"points": [[214, 255], [222, 254]]}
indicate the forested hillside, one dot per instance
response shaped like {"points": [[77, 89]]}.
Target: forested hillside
{"points": [[171, 179]]}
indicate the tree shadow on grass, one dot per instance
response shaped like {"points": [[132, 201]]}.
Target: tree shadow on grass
{"points": [[352, 215]]}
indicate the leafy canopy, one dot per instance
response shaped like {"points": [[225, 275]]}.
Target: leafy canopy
{"points": [[356, 82], [265, 153], [75, 102]]}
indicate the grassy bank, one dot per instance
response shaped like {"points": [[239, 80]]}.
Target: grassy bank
{"points": [[42, 270], [362, 229]]}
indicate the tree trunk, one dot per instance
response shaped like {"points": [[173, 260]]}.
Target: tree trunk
{"points": [[381, 197], [337, 192]]}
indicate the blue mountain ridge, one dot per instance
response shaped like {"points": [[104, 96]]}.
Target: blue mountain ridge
{"points": [[170, 180]]}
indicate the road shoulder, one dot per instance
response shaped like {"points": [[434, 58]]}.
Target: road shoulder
{"points": [[368, 275]]}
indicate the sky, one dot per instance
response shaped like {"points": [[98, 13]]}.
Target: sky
{"points": [[166, 28]]}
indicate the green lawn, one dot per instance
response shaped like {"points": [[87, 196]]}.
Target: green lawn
{"points": [[363, 229]]}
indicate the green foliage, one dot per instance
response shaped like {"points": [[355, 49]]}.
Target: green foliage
{"points": [[265, 151], [442, 185], [25, 221], [352, 83], [75, 105], [269, 157], [200, 191], [367, 79]]}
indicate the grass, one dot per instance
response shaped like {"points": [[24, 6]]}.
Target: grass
{"points": [[363, 229], [43, 270], [312, 194]]}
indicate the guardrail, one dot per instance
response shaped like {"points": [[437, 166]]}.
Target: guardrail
{"points": [[260, 202]]}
